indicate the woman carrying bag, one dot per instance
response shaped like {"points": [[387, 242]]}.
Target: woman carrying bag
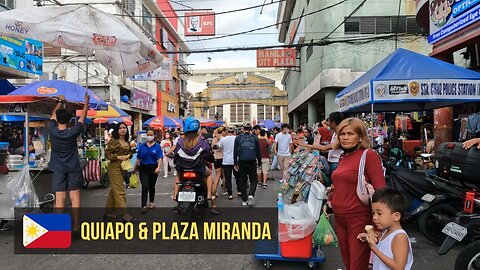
{"points": [[149, 162], [166, 145], [117, 151], [352, 212]]}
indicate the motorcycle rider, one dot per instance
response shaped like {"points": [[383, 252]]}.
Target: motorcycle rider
{"points": [[195, 150]]}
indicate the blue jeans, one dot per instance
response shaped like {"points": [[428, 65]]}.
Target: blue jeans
{"points": [[274, 163]]}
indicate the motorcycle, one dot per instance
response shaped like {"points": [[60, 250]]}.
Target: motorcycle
{"points": [[465, 226], [433, 201], [192, 195]]}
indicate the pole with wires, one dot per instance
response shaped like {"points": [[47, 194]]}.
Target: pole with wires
{"points": [[398, 21]]}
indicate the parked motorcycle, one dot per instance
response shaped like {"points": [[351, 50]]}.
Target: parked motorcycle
{"points": [[192, 195], [465, 227], [432, 200]]}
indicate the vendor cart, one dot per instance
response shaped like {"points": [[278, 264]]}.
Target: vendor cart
{"points": [[94, 167], [269, 251]]}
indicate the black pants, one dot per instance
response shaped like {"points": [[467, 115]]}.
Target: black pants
{"points": [[227, 171], [126, 176], [247, 169], [148, 178]]}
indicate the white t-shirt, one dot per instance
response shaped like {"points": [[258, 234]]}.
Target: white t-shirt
{"points": [[227, 144], [283, 142], [176, 140], [334, 154]]}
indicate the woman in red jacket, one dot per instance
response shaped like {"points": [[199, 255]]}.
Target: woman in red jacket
{"points": [[351, 215]]}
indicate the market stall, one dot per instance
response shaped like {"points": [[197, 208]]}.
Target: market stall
{"points": [[408, 83]]}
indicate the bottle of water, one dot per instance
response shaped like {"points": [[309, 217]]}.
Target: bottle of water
{"points": [[280, 204]]}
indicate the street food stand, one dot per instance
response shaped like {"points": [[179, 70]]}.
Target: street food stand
{"points": [[26, 106]]}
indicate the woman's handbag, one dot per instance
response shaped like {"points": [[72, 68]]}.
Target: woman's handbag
{"points": [[364, 189]]}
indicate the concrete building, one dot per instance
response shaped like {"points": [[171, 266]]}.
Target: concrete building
{"points": [[240, 98], [325, 70], [157, 97]]}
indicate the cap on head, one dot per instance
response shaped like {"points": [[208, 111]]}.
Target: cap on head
{"points": [[191, 125], [231, 130], [247, 126]]}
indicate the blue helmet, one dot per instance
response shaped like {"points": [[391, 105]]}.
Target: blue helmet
{"points": [[190, 124]]}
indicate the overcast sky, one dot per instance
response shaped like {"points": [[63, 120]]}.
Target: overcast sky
{"points": [[232, 23]]}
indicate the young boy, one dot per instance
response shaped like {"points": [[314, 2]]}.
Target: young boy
{"points": [[393, 250]]}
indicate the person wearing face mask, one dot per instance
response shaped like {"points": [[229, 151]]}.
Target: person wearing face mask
{"points": [[149, 163], [351, 215], [166, 145]]}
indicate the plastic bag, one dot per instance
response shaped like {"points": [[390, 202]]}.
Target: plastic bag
{"points": [[296, 222], [22, 190], [134, 180], [324, 234]]}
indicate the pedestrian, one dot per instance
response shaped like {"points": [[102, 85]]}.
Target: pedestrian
{"points": [[166, 145], [117, 151], [274, 166], [64, 161], [246, 157], [226, 144], [218, 156], [262, 171], [149, 164], [283, 149], [351, 215], [256, 130], [392, 250], [309, 136]]}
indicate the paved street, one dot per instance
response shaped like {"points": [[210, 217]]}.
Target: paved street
{"points": [[95, 196]]}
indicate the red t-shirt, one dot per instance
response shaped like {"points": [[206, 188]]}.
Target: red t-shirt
{"points": [[263, 148], [345, 201]]}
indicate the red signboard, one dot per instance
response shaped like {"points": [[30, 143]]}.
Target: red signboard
{"points": [[199, 24], [276, 58]]}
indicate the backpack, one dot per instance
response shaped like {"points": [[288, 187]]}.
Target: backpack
{"points": [[247, 151]]}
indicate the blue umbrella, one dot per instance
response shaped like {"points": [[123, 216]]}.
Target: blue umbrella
{"points": [[267, 123], [53, 88], [162, 122]]}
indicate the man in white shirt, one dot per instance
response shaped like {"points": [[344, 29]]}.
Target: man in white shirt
{"points": [[283, 149], [227, 144]]}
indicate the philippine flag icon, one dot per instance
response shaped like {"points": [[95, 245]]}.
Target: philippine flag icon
{"points": [[47, 231]]}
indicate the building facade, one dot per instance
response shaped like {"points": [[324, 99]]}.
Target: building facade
{"points": [[141, 99], [241, 98], [325, 70]]}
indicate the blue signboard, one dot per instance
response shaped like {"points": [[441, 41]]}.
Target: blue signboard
{"points": [[22, 54], [449, 16]]}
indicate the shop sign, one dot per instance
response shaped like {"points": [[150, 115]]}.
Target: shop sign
{"points": [[163, 73], [276, 58], [199, 23], [141, 100], [426, 90], [449, 16], [22, 54], [357, 97], [170, 107]]}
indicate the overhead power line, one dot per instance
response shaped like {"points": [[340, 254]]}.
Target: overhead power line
{"points": [[322, 42], [271, 25], [216, 13], [346, 18]]}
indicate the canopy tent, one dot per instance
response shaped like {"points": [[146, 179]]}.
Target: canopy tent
{"points": [[6, 87], [408, 81], [20, 118], [162, 122]]}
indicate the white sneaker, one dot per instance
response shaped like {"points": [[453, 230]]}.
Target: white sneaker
{"points": [[251, 201], [165, 176], [244, 203]]}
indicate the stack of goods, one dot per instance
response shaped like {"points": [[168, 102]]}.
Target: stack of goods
{"points": [[304, 168]]}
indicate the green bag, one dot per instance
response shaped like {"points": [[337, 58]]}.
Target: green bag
{"points": [[324, 234], [134, 180]]}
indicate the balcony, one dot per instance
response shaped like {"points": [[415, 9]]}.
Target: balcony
{"points": [[184, 69]]}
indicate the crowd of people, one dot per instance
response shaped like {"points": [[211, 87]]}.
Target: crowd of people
{"points": [[248, 154]]}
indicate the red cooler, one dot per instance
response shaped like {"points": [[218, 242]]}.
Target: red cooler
{"points": [[301, 249]]}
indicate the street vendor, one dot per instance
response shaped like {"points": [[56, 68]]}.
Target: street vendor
{"points": [[64, 162]]}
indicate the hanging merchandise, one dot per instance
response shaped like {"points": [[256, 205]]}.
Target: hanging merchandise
{"points": [[304, 168]]}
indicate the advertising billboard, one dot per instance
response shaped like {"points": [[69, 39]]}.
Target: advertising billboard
{"points": [[163, 73], [141, 100], [199, 23], [276, 58], [449, 16], [22, 54]]}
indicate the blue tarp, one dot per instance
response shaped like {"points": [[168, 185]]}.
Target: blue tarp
{"points": [[408, 81], [6, 87], [20, 118]]}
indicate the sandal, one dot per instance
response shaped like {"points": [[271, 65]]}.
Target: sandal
{"points": [[151, 206], [144, 209], [128, 218]]}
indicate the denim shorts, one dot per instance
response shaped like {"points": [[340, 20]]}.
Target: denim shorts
{"points": [[66, 181]]}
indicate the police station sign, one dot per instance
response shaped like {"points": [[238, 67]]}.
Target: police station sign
{"points": [[355, 98], [449, 16], [417, 90]]}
